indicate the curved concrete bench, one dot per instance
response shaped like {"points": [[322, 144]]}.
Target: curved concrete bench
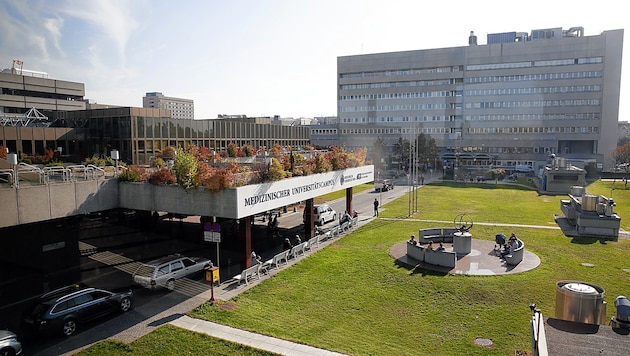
{"points": [[443, 234], [438, 258], [517, 255]]}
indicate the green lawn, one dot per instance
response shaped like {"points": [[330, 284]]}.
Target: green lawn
{"points": [[353, 298]]}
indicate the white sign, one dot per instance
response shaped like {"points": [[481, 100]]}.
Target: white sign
{"points": [[211, 236], [258, 198]]}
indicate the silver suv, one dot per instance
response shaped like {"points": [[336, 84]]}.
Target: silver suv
{"points": [[322, 213], [163, 272]]}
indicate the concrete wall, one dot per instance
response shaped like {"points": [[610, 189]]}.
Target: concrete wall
{"points": [[174, 199], [35, 203]]}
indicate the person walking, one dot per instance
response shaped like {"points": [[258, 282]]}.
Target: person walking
{"points": [[375, 207]]}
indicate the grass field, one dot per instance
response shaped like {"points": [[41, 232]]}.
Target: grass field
{"points": [[352, 297]]}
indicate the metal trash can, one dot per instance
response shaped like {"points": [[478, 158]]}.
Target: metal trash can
{"points": [[580, 302]]}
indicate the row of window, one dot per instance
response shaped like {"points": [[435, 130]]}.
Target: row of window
{"points": [[401, 107], [532, 104], [531, 64], [475, 92], [425, 118], [474, 105], [473, 67], [472, 80], [533, 130], [414, 83], [533, 117], [388, 73], [472, 130], [534, 77], [413, 95], [535, 90]]}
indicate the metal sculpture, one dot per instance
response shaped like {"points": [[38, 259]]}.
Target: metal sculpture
{"points": [[463, 223]]}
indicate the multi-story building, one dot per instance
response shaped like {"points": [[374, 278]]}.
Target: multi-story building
{"points": [[513, 101], [180, 108], [58, 120], [22, 90]]}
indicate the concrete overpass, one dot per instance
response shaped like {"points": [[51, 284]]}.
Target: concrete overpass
{"points": [[55, 199]]}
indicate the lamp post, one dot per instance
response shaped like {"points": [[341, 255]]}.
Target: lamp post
{"points": [[115, 156], [13, 161]]}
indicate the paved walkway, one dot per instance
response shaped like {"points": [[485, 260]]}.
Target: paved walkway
{"points": [[268, 343]]}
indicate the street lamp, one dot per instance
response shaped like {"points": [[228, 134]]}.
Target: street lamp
{"points": [[13, 161], [115, 156]]}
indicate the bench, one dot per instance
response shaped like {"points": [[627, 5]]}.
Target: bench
{"points": [[296, 250], [276, 260], [335, 231], [354, 221], [345, 226], [248, 273], [438, 258], [312, 242], [517, 255], [444, 234]]}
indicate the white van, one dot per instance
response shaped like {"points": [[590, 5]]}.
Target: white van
{"points": [[322, 214]]}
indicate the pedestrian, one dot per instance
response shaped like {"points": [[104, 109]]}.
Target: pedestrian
{"points": [[375, 207], [422, 179], [276, 224]]}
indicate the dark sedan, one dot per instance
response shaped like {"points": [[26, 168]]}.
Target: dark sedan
{"points": [[63, 310]]}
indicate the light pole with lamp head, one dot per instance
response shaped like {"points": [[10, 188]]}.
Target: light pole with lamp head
{"points": [[115, 156], [13, 161]]}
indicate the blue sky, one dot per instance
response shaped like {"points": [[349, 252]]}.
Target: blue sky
{"points": [[274, 57]]}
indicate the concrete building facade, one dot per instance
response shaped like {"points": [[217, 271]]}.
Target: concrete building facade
{"points": [[180, 108], [513, 101]]}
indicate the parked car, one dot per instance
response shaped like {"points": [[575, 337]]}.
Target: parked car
{"points": [[322, 213], [392, 174], [63, 310], [163, 272], [9, 344]]}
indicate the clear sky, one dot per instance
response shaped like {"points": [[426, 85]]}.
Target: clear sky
{"points": [[258, 57]]}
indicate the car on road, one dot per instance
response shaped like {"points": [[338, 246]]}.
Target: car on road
{"points": [[9, 344], [163, 272], [322, 213], [383, 185], [63, 310]]}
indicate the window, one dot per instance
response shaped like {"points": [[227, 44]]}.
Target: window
{"points": [[176, 266], [188, 262]]}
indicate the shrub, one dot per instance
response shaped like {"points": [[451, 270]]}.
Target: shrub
{"points": [[158, 162], [276, 170], [133, 174], [162, 176]]}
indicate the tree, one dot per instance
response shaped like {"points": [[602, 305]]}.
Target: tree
{"points": [[321, 164], [378, 153], [185, 167], [426, 148], [621, 155], [402, 148]]}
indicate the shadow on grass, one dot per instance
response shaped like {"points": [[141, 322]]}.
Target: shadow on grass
{"points": [[585, 240]]}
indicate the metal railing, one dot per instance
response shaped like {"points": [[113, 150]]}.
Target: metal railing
{"points": [[45, 175]]}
